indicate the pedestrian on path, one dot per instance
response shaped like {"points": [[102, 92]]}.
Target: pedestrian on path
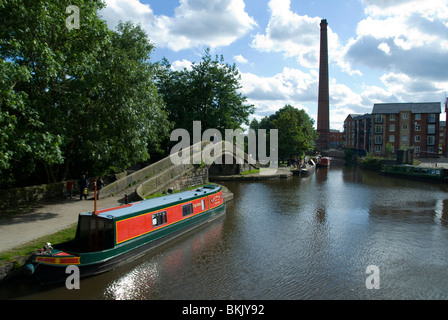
{"points": [[83, 184], [69, 191]]}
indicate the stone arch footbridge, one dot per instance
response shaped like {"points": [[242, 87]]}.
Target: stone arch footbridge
{"points": [[186, 168]]}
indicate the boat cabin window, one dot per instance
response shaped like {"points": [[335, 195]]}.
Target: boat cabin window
{"points": [[159, 218], [187, 209], [203, 204], [95, 233]]}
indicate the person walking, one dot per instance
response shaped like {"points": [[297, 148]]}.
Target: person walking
{"points": [[69, 191], [83, 184]]}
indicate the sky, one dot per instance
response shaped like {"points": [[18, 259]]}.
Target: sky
{"points": [[380, 51]]}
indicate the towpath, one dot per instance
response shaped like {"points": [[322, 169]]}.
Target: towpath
{"points": [[47, 218]]}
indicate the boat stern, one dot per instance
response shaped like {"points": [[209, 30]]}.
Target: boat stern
{"points": [[50, 258]]}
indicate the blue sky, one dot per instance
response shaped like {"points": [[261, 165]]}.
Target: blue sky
{"points": [[379, 50]]}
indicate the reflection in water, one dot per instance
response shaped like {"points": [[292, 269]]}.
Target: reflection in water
{"points": [[146, 280], [299, 238], [133, 285]]}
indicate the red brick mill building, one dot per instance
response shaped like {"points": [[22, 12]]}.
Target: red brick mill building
{"points": [[394, 126]]}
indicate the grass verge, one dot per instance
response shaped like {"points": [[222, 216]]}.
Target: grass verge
{"points": [[28, 248]]}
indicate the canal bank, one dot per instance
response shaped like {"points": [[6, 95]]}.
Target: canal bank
{"points": [[262, 174], [46, 219]]}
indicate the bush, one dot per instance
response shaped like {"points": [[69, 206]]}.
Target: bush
{"points": [[371, 162]]}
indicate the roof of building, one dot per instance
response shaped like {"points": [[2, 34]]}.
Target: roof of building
{"points": [[358, 116], [421, 107]]}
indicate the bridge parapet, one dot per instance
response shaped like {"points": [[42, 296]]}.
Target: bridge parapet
{"points": [[187, 167]]}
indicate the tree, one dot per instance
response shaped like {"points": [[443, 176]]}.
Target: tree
{"points": [[296, 134], [207, 93], [73, 100]]}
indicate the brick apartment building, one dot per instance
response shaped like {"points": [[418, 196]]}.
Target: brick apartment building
{"points": [[357, 128], [392, 126], [336, 138]]}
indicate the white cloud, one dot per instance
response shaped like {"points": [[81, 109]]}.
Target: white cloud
{"points": [[291, 34], [408, 41], [413, 35], [195, 23], [384, 47], [427, 8], [298, 36], [180, 65], [300, 89], [240, 59]]}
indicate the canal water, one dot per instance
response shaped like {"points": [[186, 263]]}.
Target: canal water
{"points": [[295, 238]]}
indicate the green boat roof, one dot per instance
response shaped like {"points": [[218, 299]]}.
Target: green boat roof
{"points": [[154, 204]]}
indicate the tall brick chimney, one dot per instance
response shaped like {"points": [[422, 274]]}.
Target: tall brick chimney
{"points": [[323, 106]]}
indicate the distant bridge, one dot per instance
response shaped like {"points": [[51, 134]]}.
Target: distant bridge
{"points": [[334, 153]]}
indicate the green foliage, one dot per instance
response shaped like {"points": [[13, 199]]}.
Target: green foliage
{"points": [[296, 134], [73, 100], [207, 93], [371, 162], [389, 149]]}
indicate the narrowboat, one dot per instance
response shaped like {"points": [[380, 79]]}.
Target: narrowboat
{"points": [[418, 173], [108, 238], [308, 168], [324, 162]]}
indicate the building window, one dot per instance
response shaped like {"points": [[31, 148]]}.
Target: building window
{"points": [[430, 140], [392, 128], [378, 118], [187, 209], [392, 138], [404, 138], [159, 218], [430, 149], [431, 118], [417, 149], [418, 116], [418, 127], [378, 140], [392, 117], [378, 149], [405, 115], [405, 127], [417, 138], [378, 129], [431, 128]]}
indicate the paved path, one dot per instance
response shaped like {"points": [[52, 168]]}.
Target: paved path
{"points": [[48, 218], [441, 162]]}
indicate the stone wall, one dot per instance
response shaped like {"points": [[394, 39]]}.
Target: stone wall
{"points": [[26, 195]]}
